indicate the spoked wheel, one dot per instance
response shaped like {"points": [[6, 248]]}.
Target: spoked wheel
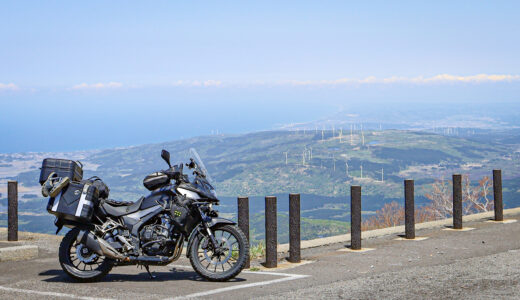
{"points": [[225, 262], [81, 263]]}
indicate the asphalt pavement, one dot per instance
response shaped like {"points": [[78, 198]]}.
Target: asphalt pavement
{"points": [[477, 264]]}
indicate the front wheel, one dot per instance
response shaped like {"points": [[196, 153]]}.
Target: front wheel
{"points": [[225, 262]]}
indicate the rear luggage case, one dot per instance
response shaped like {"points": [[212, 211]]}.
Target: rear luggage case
{"points": [[62, 167], [76, 202]]}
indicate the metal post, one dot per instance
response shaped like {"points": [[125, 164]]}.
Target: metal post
{"points": [[271, 242], [294, 228], [355, 217], [497, 193], [12, 211], [409, 210], [457, 201], [243, 221]]}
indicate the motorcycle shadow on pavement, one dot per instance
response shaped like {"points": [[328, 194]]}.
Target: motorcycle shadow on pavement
{"points": [[138, 276]]}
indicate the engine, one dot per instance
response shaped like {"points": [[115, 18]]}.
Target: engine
{"points": [[156, 239]]}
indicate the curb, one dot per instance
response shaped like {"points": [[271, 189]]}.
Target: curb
{"points": [[17, 253], [284, 248]]}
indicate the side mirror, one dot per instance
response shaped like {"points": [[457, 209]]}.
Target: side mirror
{"points": [[166, 156], [192, 164]]}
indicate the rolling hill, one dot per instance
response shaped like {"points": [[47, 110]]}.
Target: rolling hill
{"points": [[321, 165]]}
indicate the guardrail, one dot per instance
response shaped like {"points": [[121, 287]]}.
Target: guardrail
{"points": [[12, 211], [355, 217]]}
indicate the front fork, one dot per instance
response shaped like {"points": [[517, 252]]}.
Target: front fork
{"points": [[205, 223], [211, 239]]}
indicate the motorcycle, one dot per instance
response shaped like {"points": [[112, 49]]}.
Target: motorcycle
{"points": [[153, 230]]}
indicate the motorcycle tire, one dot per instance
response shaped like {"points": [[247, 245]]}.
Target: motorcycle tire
{"points": [[72, 264], [240, 259]]}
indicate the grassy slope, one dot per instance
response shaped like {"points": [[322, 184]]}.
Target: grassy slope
{"points": [[254, 164], [310, 228]]}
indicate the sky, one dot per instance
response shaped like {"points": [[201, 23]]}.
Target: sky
{"points": [[98, 74]]}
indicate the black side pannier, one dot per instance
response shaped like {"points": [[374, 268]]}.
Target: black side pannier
{"points": [[76, 202], [103, 189], [155, 181], [62, 167]]}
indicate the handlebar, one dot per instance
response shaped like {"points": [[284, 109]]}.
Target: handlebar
{"points": [[174, 172]]}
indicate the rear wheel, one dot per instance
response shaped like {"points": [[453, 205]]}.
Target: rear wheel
{"points": [[81, 263], [225, 262]]}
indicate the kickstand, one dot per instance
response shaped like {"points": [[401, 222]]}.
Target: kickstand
{"points": [[148, 270]]}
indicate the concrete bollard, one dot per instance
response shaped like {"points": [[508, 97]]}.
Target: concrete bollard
{"points": [[294, 228], [271, 241], [243, 221], [12, 211], [457, 201], [409, 210], [497, 194], [355, 217]]}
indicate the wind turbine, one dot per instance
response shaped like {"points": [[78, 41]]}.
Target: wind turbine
{"points": [[362, 135], [346, 165], [351, 137], [286, 156], [361, 168]]}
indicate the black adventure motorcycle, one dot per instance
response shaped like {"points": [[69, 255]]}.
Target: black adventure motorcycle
{"points": [[153, 230]]}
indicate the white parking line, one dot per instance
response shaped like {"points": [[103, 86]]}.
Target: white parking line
{"points": [[287, 277], [52, 294]]}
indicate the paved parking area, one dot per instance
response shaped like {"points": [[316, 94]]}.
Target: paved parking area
{"points": [[483, 261], [43, 278]]}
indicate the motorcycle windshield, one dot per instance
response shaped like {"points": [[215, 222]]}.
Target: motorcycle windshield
{"points": [[204, 181]]}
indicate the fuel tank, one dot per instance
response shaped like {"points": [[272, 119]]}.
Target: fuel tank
{"points": [[160, 196]]}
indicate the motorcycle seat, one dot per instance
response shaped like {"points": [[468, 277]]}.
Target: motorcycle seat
{"points": [[118, 203], [120, 208]]}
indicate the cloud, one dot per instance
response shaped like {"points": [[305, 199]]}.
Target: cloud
{"points": [[473, 78], [8, 87], [196, 83], [441, 78], [97, 86], [418, 80]]}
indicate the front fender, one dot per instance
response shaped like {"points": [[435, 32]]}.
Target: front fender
{"points": [[214, 222]]}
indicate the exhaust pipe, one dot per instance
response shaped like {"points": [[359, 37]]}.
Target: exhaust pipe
{"points": [[152, 260], [99, 245]]}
